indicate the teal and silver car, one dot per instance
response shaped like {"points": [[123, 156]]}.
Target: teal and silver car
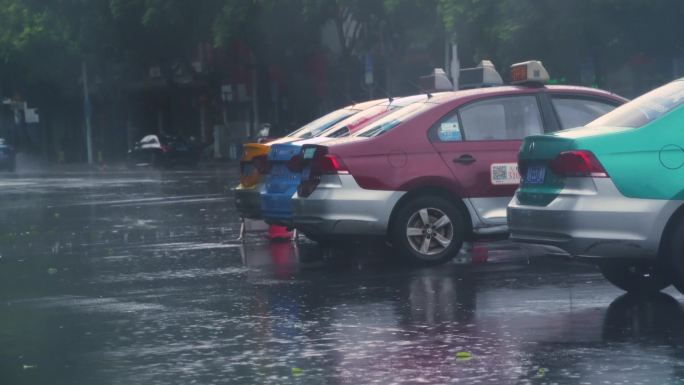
{"points": [[612, 191]]}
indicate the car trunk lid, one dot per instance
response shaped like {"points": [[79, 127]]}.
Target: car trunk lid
{"points": [[539, 185], [284, 160]]}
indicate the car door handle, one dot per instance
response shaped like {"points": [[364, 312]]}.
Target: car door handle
{"points": [[465, 159]]}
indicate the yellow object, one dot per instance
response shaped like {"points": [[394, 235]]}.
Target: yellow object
{"points": [[297, 372], [463, 356], [251, 151]]}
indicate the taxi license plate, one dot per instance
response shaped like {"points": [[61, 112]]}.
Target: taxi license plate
{"points": [[535, 174]]}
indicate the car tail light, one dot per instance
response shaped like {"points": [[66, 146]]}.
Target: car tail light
{"points": [[295, 164], [262, 164], [320, 164], [328, 164], [579, 163]]}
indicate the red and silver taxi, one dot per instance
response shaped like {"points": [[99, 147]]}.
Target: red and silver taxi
{"points": [[436, 173]]}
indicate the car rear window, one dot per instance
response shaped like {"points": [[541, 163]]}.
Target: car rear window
{"points": [[645, 108], [576, 112], [393, 119], [348, 124], [321, 124]]}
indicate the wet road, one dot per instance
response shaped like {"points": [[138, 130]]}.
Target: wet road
{"points": [[134, 278]]}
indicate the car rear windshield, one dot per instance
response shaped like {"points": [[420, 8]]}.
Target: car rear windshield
{"points": [[321, 124], [645, 108], [393, 119], [347, 125]]}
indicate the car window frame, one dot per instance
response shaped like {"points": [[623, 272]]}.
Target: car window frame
{"points": [[433, 136]]}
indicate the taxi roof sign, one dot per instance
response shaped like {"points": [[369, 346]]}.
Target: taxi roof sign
{"points": [[436, 81], [532, 71], [484, 75]]}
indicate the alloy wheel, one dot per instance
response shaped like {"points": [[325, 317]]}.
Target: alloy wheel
{"points": [[429, 231]]}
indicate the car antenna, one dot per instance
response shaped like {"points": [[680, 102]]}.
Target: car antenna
{"points": [[387, 94], [421, 89]]}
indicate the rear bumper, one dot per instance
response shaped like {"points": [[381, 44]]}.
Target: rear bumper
{"points": [[279, 186], [596, 222], [276, 208], [248, 202], [339, 207]]}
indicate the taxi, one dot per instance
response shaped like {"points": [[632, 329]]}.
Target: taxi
{"points": [[436, 173], [611, 191], [285, 159], [254, 163]]}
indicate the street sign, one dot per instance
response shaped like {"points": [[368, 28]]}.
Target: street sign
{"points": [[368, 78]]}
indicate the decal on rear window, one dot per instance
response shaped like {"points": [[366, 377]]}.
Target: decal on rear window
{"points": [[505, 173], [449, 131]]}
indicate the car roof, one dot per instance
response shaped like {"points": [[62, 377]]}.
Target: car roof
{"points": [[403, 101], [584, 90], [368, 104], [445, 97]]}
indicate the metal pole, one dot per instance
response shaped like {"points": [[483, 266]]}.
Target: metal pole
{"points": [[87, 110], [455, 67], [255, 102]]}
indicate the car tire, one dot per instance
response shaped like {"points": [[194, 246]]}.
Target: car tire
{"points": [[428, 230], [637, 277], [675, 251]]}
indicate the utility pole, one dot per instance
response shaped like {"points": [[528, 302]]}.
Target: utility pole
{"points": [[87, 111], [455, 67], [255, 98], [451, 62]]}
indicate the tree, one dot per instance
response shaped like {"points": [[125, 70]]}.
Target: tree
{"points": [[566, 35]]}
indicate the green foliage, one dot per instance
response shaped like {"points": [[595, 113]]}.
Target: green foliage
{"points": [[564, 33], [42, 43], [235, 19], [24, 27]]}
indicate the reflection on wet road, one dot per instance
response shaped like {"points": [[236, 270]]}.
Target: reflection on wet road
{"points": [[134, 278]]}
